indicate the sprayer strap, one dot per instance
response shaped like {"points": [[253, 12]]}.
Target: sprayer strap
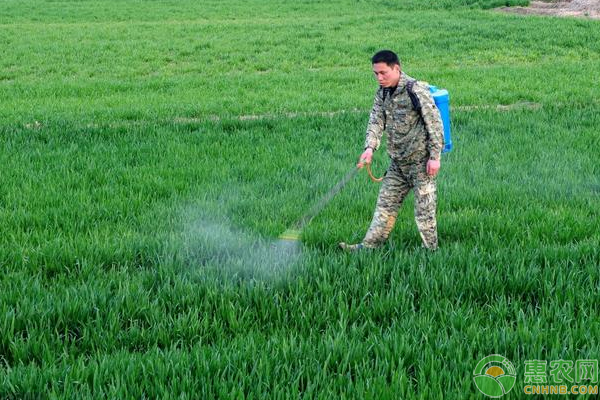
{"points": [[413, 96]]}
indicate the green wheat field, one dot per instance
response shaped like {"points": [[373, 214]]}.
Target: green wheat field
{"points": [[153, 152]]}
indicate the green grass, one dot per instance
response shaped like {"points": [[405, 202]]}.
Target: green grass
{"points": [[153, 151]]}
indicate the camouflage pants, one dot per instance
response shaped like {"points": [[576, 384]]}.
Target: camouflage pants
{"points": [[398, 181]]}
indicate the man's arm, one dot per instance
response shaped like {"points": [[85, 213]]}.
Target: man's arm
{"points": [[433, 122], [376, 123]]}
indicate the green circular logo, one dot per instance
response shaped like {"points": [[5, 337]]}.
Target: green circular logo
{"points": [[494, 376]]}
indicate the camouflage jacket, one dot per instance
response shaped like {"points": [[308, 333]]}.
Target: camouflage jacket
{"points": [[411, 135]]}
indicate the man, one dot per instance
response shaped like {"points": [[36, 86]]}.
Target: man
{"points": [[414, 143]]}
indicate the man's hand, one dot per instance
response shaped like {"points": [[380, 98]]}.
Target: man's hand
{"points": [[365, 157], [433, 166]]}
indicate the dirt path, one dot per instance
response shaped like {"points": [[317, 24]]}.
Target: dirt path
{"points": [[559, 8]]}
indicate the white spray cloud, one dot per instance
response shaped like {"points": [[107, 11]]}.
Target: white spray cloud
{"points": [[209, 245]]}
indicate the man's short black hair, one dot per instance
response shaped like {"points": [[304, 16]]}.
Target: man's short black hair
{"points": [[386, 56]]}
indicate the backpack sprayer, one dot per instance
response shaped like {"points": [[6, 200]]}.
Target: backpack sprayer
{"points": [[442, 101]]}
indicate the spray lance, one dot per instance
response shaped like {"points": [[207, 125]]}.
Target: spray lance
{"points": [[293, 233]]}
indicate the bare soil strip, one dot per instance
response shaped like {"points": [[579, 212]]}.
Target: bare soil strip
{"points": [[36, 125], [559, 8]]}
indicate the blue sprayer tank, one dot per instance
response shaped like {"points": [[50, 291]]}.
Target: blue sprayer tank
{"points": [[442, 101]]}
